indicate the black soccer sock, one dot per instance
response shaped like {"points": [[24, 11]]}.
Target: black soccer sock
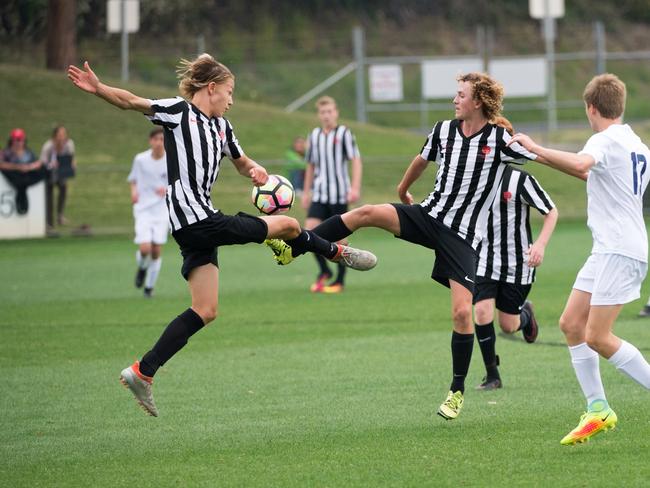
{"points": [[524, 319], [461, 355], [340, 275], [487, 342], [332, 229], [308, 241], [322, 264], [172, 340]]}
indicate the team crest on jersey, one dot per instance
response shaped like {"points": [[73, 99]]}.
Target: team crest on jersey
{"points": [[222, 135], [507, 195], [486, 150], [193, 120]]}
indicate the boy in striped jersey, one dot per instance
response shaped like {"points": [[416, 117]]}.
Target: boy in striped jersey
{"points": [[507, 258], [614, 163], [471, 152], [197, 137], [327, 188]]}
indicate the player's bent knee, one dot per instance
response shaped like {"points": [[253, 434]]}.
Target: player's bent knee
{"points": [[208, 314], [462, 316]]}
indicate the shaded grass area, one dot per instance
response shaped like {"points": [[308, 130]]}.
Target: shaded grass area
{"points": [[289, 388]]}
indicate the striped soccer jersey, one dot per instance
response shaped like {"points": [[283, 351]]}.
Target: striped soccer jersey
{"points": [[470, 168], [502, 251], [195, 145], [330, 153]]}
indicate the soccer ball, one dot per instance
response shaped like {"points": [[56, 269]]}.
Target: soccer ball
{"points": [[275, 196]]}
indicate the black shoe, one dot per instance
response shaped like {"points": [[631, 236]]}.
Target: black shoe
{"points": [[645, 311], [490, 384], [531, 331], [148, 292], [139, 277]]}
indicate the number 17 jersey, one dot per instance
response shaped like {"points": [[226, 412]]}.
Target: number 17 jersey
{"points": [[615, 189]]}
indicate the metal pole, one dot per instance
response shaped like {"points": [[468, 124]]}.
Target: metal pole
{"points": [[549, 38], [599, 35], [359, 55], [125, 42], [200, 44]]}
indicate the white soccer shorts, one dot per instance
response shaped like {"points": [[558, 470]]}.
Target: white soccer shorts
{"points": [[612, 279], [151, 227]]}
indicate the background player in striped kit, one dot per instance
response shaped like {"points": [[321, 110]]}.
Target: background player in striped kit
{"points": [[327, 189], [614, 162], [471, 152], [507, 258], [148, 182], [197, 136]]}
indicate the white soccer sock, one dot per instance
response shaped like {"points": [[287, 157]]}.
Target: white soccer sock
{"points": [[587, 367], [143, 261], [152, 273], [630, 361]]}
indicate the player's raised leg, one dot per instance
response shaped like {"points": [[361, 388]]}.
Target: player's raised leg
{"points": [[288, 240]]}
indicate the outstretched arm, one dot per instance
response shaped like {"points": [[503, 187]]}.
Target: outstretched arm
{"points": [[86, 80], [573, 164], [412, 173]]}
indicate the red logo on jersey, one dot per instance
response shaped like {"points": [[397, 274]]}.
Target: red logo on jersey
{"points": [[192, 119], [507, 195], [486, 150], [336, 140], [222, 135]]}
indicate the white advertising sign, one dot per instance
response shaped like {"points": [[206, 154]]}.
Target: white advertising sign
{"points": [[114, 15], [439, 76], [537, 8], [386, 84], [31, 224], [521, 77]]}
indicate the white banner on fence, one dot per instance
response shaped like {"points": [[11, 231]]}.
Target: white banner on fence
{"points": [[114, 15], [31, 224], [538, 8], [386, 83], [439, 77], [521, 77]]}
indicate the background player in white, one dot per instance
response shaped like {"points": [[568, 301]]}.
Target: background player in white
{"points": [[148, 181], [614, 162], [507, 259]]}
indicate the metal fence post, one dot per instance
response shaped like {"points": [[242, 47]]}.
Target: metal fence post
{"points": [[599, 38], [359, 58]]}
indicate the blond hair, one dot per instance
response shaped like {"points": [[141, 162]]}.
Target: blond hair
{"points": [[325, 100], [486, 90], [501, 121], [199, 73], [607, 94]]}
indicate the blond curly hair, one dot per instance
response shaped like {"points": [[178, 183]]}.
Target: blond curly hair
{"points": [[486, 90]]}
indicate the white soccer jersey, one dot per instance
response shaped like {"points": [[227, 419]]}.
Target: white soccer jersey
{"points": [[615, 192], [149, 176]]}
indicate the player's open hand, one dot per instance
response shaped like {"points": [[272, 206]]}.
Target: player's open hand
{"points": [[535, 255], [259, 175], [523, 140], [86, 79]]}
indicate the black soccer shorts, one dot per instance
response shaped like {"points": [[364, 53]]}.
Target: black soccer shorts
{"points": [[508, 297]]}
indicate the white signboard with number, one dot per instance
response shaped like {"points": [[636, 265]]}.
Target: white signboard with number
{"points": [[521, 77], [439, 76], [114, 15], [31, 224], [386, 84]]}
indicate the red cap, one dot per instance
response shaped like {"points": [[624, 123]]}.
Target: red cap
{"points": [[17, 134]]}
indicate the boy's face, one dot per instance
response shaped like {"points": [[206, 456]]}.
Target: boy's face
{"points": [[464, 103], [221, 96], [157, 142], [328, 115]]}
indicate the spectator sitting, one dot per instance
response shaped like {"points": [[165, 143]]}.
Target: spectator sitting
{"points": [[21, 168]]}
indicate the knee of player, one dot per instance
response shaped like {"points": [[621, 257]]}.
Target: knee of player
{"points": [[594, 340], [509, 326], [567, 326], [462, 315], [207, 312], [484, 312], [365, 213]]}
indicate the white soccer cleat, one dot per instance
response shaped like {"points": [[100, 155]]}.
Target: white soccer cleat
{"points": [[135, 381], [355, 258]]}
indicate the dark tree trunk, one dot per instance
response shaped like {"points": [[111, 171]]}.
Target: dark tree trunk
{"points": [[61, 45]]}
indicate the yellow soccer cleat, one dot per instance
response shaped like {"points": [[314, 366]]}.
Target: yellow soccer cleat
{"points": [[281, 251], [451, 407], [590, 424]]}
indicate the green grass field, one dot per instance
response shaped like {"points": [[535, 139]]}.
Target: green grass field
{"points": [[287, 388]]}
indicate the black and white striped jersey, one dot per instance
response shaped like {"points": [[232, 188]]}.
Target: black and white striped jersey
{"points": [[329, 153], [195, 145], [502, 251], [470, 168]]}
